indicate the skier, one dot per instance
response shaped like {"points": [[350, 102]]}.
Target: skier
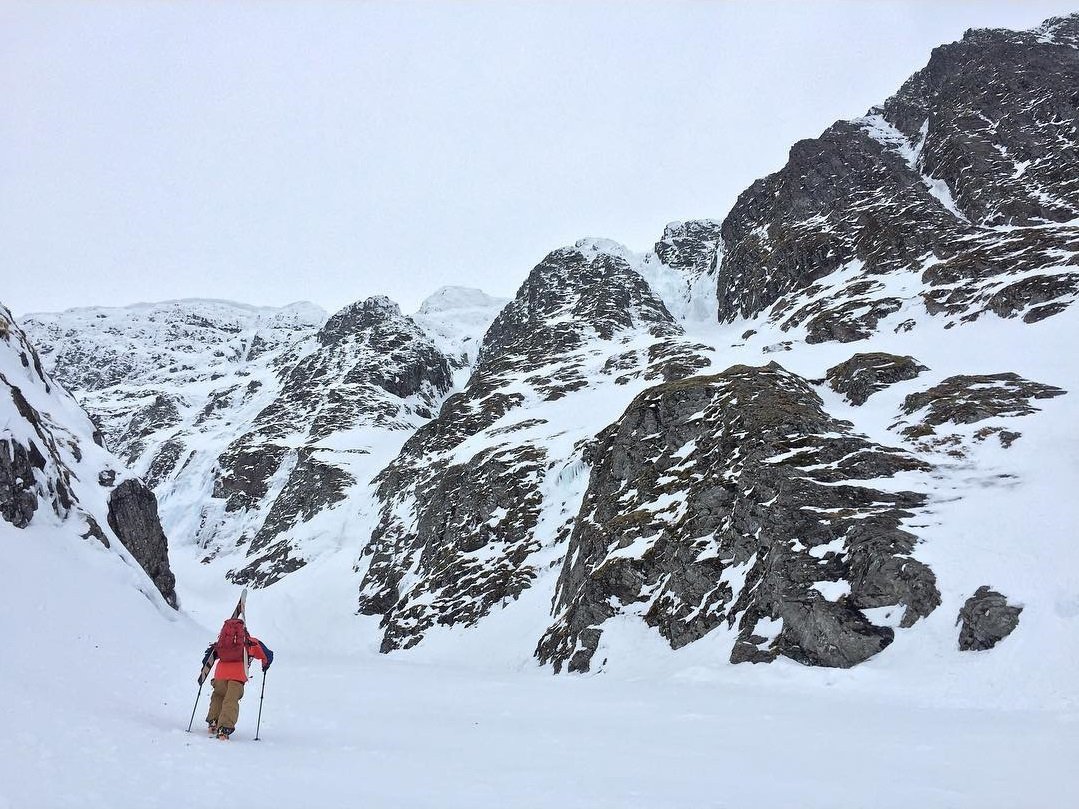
{"points": [[233, 651]]}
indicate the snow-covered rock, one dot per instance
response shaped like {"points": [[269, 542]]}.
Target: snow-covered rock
{"points": [[958, 194], [482, 498], [251, 422]]}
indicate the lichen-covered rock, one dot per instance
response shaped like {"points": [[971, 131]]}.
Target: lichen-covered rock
{"points": [[735, 499], [865, 374], [133, 518], [985, 619]]}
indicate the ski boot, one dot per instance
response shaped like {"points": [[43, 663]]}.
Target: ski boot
{"points": [[224, 733], [211, 728]]}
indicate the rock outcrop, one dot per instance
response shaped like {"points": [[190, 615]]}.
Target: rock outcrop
{"points": [[985, 620], [970, 399], [731, 499], [472, 506], [133, 518], [865, 374]]}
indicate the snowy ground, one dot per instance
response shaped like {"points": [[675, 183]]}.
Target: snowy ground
{"points": [[99, 719]]}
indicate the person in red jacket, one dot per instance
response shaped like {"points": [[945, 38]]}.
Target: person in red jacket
{"points": [[228, 684]]}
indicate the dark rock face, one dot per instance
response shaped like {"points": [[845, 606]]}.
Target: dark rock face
{"points": [[690, 247], [824, 209], [247, 468], [968, 176], [159, 414], [865, 374], [133, 518], [970, 399], [312, 487], [722, 500], [461, 502], [34, 470], [1000, 105], [18, 499], [985, 620], [164, 462]]}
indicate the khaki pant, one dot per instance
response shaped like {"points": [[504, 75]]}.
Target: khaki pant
{"points": [[225, 703]]}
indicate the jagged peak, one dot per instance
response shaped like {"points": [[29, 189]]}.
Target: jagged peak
{"points": [[370, 312], [1058, 30], [691, 227]]}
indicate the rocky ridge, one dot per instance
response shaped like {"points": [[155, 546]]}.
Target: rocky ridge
{"points": [[956, 197]]}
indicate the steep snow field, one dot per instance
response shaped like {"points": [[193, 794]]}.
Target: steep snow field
{"points": [[98, 679]]}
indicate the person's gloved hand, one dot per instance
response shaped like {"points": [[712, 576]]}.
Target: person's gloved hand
{"points": [[265, 667]]}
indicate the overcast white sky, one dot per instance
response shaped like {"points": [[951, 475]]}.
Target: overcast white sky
{"points": [[272, 152]]}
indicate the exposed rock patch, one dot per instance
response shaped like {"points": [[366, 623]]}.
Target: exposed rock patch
{"points": [[985, 620], [18, 498], [133, 518], [865, 374], [969, 399], [722, 500], [460, 504]]}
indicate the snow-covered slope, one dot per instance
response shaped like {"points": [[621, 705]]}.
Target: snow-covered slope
{"points": [[479, 500], [797, 533], [57, 479]]}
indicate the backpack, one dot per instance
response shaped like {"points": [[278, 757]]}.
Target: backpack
{"points": [[232, 642]]}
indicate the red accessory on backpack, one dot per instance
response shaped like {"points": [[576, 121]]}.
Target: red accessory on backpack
{"points": [[232, 642]]}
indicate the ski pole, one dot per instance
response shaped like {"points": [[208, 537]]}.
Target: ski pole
{"points": [[195, 708], [258, 722]]}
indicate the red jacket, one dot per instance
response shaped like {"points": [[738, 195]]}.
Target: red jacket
{"points": [[234, 670]]}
